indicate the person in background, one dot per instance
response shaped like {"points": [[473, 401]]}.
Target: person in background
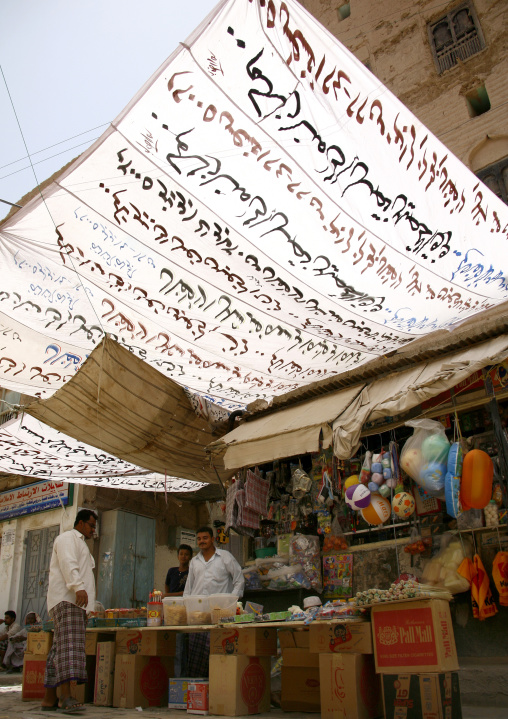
{"points": [[11, 628], [177, 576], [173, 587], [212, 571], [71, 593], [15, 652]]}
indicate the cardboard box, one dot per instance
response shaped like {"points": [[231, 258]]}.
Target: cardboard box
{"points": [[291, 638], [198, 696], [422, 696], [239, 685], [177, 698], [341, 637], [39, 643], [414, 636], [93, 638], [84, 693], [249, 641], [350, 686], [104, 674], [78, 692], [147, 643], [297, 657], [141, 681], [33, 677], [300, 689]]}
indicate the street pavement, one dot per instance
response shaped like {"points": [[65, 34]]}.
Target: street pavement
{"points": [[12, 707]]}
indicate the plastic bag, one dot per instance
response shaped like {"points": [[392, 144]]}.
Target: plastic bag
{"points": [[425, 454], [305, 550], [441, 570], [301, 482]]}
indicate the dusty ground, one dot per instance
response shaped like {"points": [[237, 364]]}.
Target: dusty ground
{"points": [[11, 707]]}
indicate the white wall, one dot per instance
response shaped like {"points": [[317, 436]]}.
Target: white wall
{"points": [[13, 549]]}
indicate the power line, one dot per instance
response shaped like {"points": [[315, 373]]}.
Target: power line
{"points": [[55, 145], [46, 158], [42, 196]]}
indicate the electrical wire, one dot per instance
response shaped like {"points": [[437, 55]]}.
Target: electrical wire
{"points": [[55, 145], [87, 142], [43, 198]]}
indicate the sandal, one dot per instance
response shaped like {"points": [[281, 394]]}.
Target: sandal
{"points": [[53, 708], [70, 706]]}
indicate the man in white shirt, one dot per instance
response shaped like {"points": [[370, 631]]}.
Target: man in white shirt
{"points": [[71, 593], [212, 571]]}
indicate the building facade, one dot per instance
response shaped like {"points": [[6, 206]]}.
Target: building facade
{"points": [[447, 62]]}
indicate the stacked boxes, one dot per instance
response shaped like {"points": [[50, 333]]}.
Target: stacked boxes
{"points": [[240, 670], [143, 665], [300, 683], [349, 685], [415, 654]]}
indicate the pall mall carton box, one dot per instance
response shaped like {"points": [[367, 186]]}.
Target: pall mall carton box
{"points": [[239, 685], [350, 687], [422, 696], [248, 641], [33, 676], [414, 637]]}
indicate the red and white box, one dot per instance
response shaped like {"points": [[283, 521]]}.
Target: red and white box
{"points": [[414, 637], [197, 696]]}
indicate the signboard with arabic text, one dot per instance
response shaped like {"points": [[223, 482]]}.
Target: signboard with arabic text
{"points": [[34, 498]]}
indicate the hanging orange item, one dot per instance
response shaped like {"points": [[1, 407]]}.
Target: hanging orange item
{"points": [[481, 597], [500, 576], [476, 483]]}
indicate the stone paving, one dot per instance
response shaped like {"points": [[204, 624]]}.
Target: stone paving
{"points": [[12, 707]]}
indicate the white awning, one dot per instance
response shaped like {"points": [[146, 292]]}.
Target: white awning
{"points": [[286, 433]]}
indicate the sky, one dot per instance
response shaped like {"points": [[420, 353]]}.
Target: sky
{"points": [[70, 68]]}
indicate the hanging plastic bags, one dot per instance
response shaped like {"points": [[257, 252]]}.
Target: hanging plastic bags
{"points": [[425, 454]]}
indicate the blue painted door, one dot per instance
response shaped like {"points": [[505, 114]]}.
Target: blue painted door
{"points": [[126, 562]]}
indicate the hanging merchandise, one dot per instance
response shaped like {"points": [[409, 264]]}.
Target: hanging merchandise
{"points": [[305, 550], [481, 597], [350, 481], [443, 569], [357, 497], [365, 474], [256, 492], [491, 513], [453, 479], [324, 521], [301, 482], [338, 576], [500, 576], [425, 454], [476, 484], [378, 511], [403, 505]]}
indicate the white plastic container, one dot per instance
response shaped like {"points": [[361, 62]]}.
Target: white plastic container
{"points": [[175, 612], [198, 609], [222, 606]]}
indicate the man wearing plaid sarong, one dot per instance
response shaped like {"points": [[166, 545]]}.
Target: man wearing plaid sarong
{"points": [[212, 571], [71, 593]]}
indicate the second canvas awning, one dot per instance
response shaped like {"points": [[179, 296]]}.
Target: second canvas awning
{"points": [[296, 430]]}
